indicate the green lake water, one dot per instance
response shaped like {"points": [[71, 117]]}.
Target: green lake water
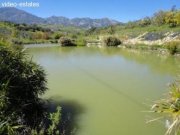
{"points": [[110, 88]]}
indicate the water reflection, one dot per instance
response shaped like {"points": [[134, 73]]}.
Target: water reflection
{"points": [[158, 63]]}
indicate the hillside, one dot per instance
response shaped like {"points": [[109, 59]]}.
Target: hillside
{"points": [[81, 22], [19, 16]]}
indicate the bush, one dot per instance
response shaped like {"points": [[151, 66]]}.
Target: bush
{"points": [[159, 17], [21, 83], [173, 47], [58, 36], [66, 42], [17, 42], [4, 43], [145, 22], [81, 42], [112, 41], [54, 41]]}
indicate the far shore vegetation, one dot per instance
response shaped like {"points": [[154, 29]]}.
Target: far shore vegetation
{"points": [[161, 31]]}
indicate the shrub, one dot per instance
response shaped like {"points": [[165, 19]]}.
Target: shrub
{"points": [[17, 42], [159, 17], [66, 42], [81, 42], [173, 47], [58, 36], [112, 41], [53, 127], [145, 22], [54, 41], [4, 43], [21, 83], [170, 19]]}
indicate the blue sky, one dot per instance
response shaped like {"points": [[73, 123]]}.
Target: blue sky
{"points": [[122, 10]]}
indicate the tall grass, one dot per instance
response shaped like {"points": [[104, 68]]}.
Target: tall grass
{"points": [[170, 107]]}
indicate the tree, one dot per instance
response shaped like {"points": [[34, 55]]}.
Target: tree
{"points": [[58, 35], [131, 24], [145, 22], [159, 17], [170, 19], [111, 30], [177, 18]]}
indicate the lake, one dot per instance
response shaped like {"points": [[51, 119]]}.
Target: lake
{"points": [[110, 89]]}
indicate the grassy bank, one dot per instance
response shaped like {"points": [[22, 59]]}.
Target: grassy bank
{"points": [[172, 48]]}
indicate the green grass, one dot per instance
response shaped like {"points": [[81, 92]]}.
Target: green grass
{"points": [[134, 32], [169, 107], [123, 32]]}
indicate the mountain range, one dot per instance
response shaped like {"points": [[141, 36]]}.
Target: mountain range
{"points": [[19, 16]]}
